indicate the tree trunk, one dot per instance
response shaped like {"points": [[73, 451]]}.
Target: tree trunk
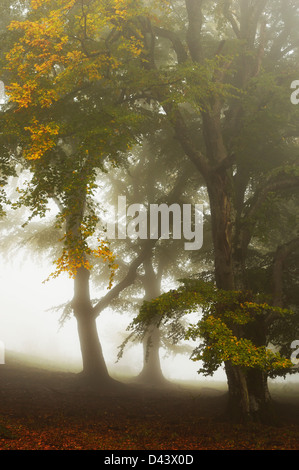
{"points": [[222, 221], [281, 255], [261, 409], [94, 366], [246, 389], [94, 370], [249, 398], [151, 372], [238, 397]]}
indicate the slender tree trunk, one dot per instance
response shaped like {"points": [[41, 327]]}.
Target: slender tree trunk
{"points": [[151, 372], [94, 366]]}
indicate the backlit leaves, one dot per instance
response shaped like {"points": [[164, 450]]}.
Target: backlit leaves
{"points": [[65, 70], [43, 138], [221, 345], [220, 332], [77, 254]]}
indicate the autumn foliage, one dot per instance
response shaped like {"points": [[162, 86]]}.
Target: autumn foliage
{"points": [[221, 329], [66, 55], [60, 416]]}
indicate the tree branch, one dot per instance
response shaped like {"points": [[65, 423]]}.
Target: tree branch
{"points": [[229, 16], [126, 281], [195, 18], [177, 45], [196, 157], [258, 9]]}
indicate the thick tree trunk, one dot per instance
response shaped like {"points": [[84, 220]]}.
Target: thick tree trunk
{"points": [[246, 389], [281, 255], [222, 221], [94, 366], [260, 401], [94, 369], [238, 397], [249, 397]]}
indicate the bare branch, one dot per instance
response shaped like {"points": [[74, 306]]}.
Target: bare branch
{"points": [[258, 9], [281, 43], [126, 281]]}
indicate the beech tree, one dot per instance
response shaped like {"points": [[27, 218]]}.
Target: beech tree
{"points": [[219, 74], [68, 114], [9, 11], [155, 177], [225, 90]]}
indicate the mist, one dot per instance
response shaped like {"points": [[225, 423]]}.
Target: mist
{"points": [[31, 327], [149, 226]]}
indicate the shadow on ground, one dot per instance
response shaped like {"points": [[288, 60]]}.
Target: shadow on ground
{"points": [[48, 409]]}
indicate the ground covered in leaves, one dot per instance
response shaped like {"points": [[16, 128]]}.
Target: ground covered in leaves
{"points": [[48, 410]]}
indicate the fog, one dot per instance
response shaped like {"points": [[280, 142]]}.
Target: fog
{"points": [[30, 326]]}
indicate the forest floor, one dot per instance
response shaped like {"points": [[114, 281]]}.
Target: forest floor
{"points": [[48, 410]]}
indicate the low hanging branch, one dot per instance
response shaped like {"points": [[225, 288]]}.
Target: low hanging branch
{"points": [[220, 328]]}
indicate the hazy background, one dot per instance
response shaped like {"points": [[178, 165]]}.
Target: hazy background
{"points": [[27, 325]]}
